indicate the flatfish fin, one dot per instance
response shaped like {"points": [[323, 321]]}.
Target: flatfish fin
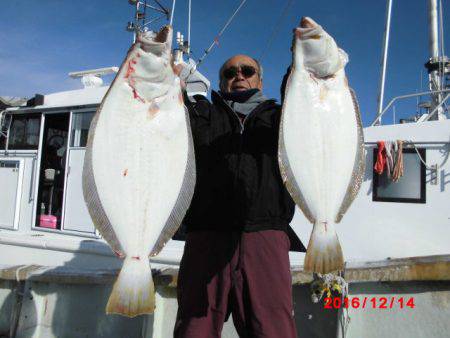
{"points": [[287, 175], [184, 198], [359, 166], [90, 193]]}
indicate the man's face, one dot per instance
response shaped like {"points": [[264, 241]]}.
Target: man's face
{"points": [[240, 73]]}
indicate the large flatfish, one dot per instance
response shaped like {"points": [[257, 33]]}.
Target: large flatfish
{"points": [[321, 154], [139, 168]]}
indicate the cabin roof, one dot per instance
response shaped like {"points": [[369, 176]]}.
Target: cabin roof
{"points": [[78, 97], [69, 98]]}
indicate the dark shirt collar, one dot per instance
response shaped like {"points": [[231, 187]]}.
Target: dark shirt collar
{"points": [[239, 96]]}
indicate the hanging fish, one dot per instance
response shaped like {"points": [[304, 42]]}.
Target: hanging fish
{"points": [[321, 154], [139, 168]]}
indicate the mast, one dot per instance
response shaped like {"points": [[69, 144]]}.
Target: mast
{"points": [[437, 65], [189, 29], [433, 29], [384, 60]]}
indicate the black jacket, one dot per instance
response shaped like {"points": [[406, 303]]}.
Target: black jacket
{"points": [[239, 186]]}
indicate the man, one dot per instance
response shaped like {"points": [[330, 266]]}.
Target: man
{"points": [[236, 254]]}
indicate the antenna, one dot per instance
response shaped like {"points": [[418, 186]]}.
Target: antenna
{"points": [[141, 22], [91, 78]]}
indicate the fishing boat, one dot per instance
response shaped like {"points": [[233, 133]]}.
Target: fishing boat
{"points": [[56, 271]]}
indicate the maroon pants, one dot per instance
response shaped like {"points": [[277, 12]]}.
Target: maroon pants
{"points": [[246, 274]]}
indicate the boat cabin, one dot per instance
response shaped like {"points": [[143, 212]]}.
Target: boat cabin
{"points": [[42, 147]]}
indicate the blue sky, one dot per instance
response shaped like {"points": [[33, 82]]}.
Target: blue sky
{"points": [[41, 41]]}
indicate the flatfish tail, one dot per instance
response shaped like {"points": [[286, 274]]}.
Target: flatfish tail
{"points": [[133, 292], [184, 198]]}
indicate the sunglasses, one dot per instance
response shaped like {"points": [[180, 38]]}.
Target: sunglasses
{"points": [[246, 71]]}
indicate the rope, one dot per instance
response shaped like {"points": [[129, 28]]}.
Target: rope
{"points": [[275, 29], [397, 172], [326, 284], [421, 159], [18, 272], [345, 318]]}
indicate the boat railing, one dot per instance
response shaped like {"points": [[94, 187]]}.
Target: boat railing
{"points": [[400, 97], [436, 108]]}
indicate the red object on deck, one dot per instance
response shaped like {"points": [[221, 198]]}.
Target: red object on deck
{"points": [[48, 221], [381, 158]]}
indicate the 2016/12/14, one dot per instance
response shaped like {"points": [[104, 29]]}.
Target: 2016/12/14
{"points": [[374, 302]]}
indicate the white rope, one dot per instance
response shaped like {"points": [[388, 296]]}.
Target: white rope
{"points": [[422, 160], [23, 267], [345, 318]]}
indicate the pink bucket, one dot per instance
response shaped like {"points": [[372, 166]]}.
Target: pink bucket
{"points": [[48, 221]]}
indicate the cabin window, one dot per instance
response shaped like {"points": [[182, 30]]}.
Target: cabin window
{"points": [[24, 132], [410, 188], [80, 128]]}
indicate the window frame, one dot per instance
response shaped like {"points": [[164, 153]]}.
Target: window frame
{"points": [[73, 131], [27, 116], [423, 184]]}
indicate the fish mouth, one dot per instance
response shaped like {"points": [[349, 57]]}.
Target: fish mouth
{"points": [[306, 28], [307, 22], [156, 42], [163, 34]]}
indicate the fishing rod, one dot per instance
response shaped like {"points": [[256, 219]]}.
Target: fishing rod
{"points": [[193, 67], [216, 39], [275, 30]]}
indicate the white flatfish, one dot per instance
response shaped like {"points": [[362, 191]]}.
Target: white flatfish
{"points": [[139, 169], [321, 154]]}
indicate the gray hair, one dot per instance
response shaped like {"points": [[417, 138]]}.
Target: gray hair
{"points": [[260, 68]]}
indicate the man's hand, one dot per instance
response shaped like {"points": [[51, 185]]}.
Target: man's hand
{"points": [[321, 54], [184, 70], [178, 69]]}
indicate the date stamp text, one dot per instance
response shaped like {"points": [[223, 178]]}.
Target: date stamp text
{"points": [[369, 302]]}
